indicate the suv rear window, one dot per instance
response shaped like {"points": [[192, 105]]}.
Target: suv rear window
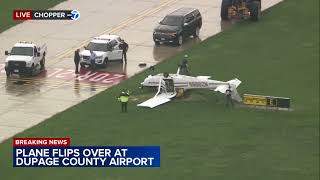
{"points": [[188, 18], [196, 13], [172, 21]]}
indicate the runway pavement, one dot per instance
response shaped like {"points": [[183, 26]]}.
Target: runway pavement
{"points": [[26, 102]]}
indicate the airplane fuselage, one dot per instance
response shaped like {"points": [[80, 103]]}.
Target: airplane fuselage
{"points": [[184, 82]]}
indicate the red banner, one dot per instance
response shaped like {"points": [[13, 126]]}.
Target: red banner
{"points": [[41, 142], [22, 14]]}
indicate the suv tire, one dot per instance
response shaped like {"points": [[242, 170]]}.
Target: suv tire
{"points": [[7, 74], [105, 62], [179, 40], [255, 10], [196, 32], [31, 71], [225, 9]]}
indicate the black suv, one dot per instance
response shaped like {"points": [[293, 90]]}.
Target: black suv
{"points": [[177, 25]]}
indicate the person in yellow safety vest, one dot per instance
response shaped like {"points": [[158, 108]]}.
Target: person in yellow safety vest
{"points": [[123, 99]]}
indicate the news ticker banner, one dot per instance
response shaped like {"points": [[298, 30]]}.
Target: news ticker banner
{"points": [[45, 15], [57, 152]]}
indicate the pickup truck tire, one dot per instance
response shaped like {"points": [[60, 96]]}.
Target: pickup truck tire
{"points": [[224, 9], [31, 71], [255, 10], [8, 74], [42, 63], [156, 42]]}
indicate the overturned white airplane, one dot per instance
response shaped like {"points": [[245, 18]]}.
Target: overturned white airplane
{"points": [[171, 84]]}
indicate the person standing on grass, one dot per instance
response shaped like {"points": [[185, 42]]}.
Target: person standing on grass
{"points": [[228, 97], [123, 99], [183, 66]]}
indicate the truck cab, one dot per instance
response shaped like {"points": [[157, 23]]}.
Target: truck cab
{"points": [[25, 58]]}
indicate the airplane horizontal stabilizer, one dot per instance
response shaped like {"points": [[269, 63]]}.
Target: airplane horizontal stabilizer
{"points": [[234, 83]]}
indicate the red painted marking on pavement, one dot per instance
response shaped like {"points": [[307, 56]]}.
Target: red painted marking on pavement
{"points": [[2, 68], [85, 75]]}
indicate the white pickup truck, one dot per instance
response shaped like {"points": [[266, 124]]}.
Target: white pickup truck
{"points": [[25, 58], [106, 48]]}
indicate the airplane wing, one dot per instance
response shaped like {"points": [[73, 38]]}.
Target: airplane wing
{"points": [[161, 97], [156, 101]]}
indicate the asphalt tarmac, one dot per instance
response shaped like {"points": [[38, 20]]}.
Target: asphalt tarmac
{"points": [[26, 102]]}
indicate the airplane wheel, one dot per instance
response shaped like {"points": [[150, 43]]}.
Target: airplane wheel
{"points": [[180, 92]]}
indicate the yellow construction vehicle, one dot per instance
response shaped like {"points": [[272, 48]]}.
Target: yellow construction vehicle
{"points": [[242, 9]]}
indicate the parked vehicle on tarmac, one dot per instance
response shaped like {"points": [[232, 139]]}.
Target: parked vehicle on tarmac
{"points": [[106, 48], [177, 26], [25, 58], [243, 9]]}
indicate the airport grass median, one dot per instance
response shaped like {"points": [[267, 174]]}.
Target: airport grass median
{"points": [[7, 7], [199, 137]]}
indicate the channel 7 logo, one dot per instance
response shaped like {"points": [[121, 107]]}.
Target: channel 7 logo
{"points": [[75, 15]]}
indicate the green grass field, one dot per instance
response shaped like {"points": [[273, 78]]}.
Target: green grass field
{"points": [[7, 6], [199, 137]]}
